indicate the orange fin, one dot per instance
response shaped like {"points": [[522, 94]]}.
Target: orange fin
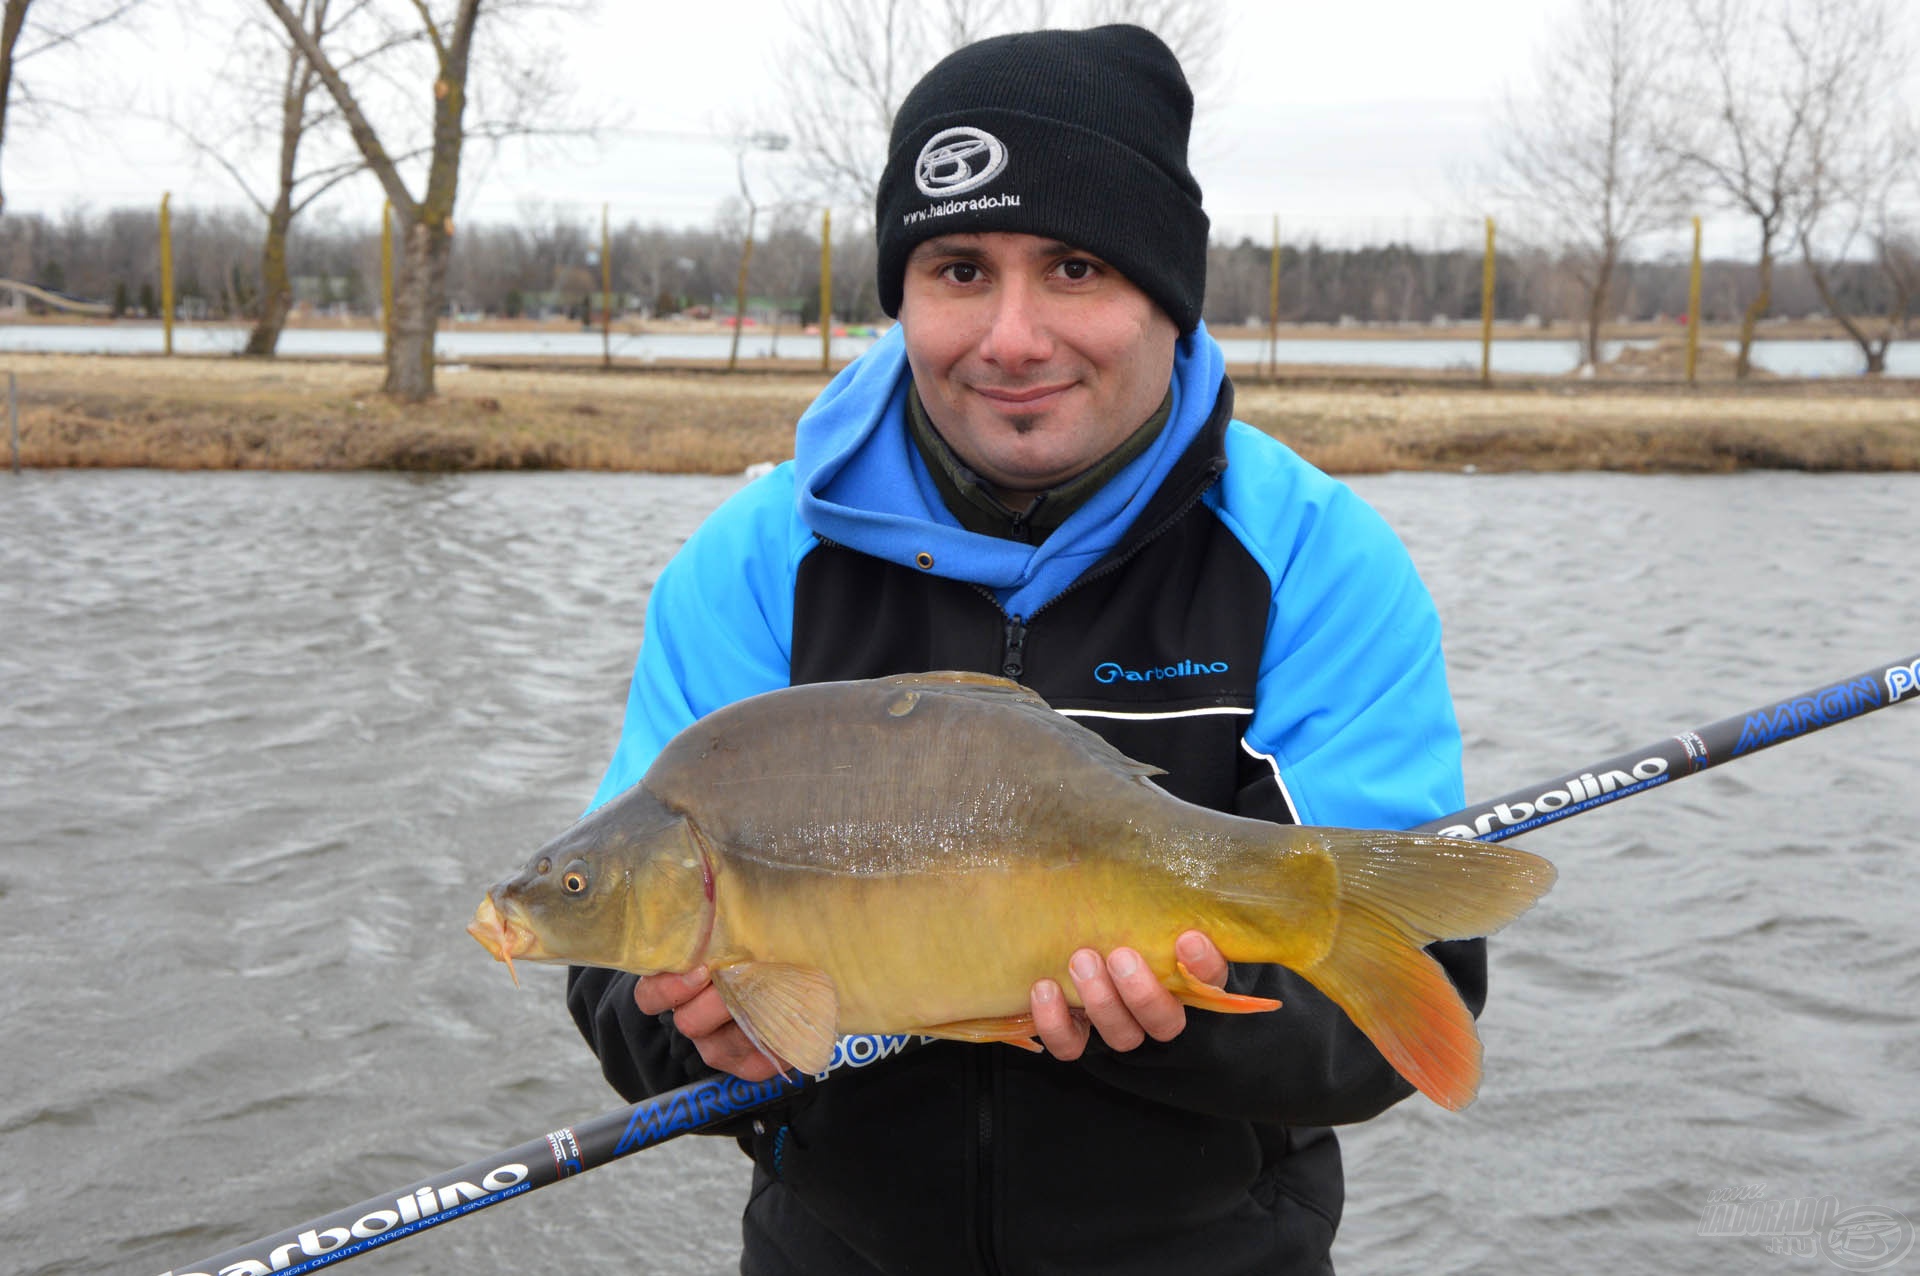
{"points": [[1398, 893], [1014, 1030], [1205, 996], [1404, 1002], [789, 1012]]}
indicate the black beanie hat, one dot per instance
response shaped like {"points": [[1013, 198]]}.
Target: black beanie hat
{"points": [[1076, 135]]}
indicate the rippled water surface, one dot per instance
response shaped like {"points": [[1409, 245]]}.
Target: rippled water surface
{"points": [[263, 739]]}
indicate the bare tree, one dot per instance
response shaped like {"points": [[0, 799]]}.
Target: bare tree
{"points": [[426, 220], [279, 111], [851, 62], [1582, 156], [1777, 75], [55, 24], [1861, 163]]}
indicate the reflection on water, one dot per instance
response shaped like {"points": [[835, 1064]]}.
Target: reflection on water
{"points": [[263, 739]]}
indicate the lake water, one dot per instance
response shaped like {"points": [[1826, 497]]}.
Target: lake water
{"points": [[1513, 358], [265, 738]]}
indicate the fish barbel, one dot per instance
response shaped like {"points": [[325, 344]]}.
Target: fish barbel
{"points": [[910, 854]]}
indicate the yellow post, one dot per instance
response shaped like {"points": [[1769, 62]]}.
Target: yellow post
{"points": [[1486, 312], [166, 270], [740, 294], [826, 289], [606, 294], [1273, 305], [386, 277], [1693, 307]]}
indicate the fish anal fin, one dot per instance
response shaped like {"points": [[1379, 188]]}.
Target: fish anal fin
{"points": [[790, 1012], [1013, 1030], [1201, 995]]}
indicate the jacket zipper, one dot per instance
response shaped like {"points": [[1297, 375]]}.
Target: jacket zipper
{"points": [[1013, 664], [987, 1217], [1013, 648]]}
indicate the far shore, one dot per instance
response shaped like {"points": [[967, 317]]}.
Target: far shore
{"points": [[313, 414], [1813, 328]]}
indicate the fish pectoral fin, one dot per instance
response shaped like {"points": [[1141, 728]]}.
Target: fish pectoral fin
{"points": [[1014, 1030], [1201, 995], [790, 1012]]}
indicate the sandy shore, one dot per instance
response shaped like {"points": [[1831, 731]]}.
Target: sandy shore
{"points": [[226, 413]]}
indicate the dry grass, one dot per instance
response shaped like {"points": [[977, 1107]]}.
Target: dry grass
{"points": [[299, 415], [229, 413], [1592, 426]]}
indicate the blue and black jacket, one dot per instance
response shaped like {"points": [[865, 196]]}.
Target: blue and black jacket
{"points": [[1219, 609]]}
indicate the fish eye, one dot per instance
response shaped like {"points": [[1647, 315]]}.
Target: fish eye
{"points": [[574, 880], [544, 867]]}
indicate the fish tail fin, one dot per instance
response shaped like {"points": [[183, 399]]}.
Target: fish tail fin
{"points": [[1398, 893]]}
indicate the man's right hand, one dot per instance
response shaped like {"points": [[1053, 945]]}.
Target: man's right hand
{"points": [[702, 1018]]}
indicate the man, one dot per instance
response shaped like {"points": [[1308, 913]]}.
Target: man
{"points": [[1035, 474]]}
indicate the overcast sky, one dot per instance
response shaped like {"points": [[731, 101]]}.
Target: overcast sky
{"points": [[1362, 121]]}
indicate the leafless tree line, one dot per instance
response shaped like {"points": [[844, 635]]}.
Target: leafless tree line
{"points": [[1787, 115], [1783, 112], [546, 264]]}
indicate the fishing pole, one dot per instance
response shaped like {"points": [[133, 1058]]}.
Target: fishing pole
{"points": [[705, 1104]]}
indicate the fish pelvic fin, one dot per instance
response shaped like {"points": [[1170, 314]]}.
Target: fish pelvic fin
{"points": [[789, 1012], [1013, 1030], [1397, 894]]}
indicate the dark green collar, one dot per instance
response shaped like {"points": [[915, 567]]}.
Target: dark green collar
{"points": [[974, 503]]}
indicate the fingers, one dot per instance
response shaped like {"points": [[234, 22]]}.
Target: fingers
{"points": [[729, 1050], [1126, 1002], [1062, 1032], [1202, 959], [1123, 1001], [703, 1018], [657, 994]]}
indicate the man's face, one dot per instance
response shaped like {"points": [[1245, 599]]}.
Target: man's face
{"points": [[1034, 359]]}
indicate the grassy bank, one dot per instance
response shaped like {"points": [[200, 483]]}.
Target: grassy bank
{"points": [[225, 413]]}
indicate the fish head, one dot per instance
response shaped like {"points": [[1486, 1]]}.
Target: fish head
{"points": [[629, 887]]}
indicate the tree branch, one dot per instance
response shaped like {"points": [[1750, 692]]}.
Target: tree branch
{"points": [[361, 131]]}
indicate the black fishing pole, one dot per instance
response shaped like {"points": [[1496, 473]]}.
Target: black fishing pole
{"points": [[1679, 756], [575, 1149]]}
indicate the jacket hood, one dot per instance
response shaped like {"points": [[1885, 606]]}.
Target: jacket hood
{"points": [[861, 481]]}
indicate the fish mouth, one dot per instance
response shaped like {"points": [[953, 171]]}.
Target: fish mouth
{"points": [[503, 936]]}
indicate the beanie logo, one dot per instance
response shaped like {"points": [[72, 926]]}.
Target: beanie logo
{"points": [[956, 160]]}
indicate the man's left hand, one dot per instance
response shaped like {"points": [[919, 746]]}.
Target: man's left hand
{"points": [[1125, 1002]]}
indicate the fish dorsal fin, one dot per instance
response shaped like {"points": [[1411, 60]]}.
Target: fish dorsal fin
{"points": [[790, 1012], [989, 687], [964, 681]]}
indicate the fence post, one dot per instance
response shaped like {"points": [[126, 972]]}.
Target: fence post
{"points": [[1486, 312], [1693, 307], [1273, 305], [13, 419], [826, 289], [606, 294], [166, 270]]}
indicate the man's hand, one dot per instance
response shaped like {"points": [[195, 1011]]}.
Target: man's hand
{"points": [[1124, 1002], [702, 1018]]}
